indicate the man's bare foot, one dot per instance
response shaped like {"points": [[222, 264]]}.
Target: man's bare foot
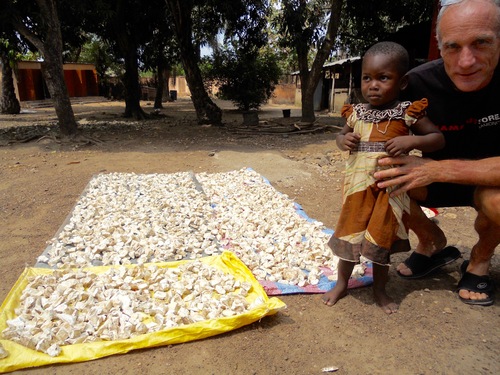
{"points": [[385, 302], [476, 269], [473, 296], [334, 295]]}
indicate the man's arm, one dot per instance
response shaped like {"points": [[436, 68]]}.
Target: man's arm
{"points": [[411, 172]]}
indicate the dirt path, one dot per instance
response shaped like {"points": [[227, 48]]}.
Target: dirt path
{"points": [[433, 333]]}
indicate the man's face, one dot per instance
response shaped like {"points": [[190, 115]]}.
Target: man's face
{"points": [[470, 44]]}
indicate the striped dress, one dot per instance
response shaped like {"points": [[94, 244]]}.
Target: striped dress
{"points": [[371, 223]]}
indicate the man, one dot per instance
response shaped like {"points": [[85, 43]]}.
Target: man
{"points": [[463, 89]]}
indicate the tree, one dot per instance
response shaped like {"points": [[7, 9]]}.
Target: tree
{"points": [[287, 56], [124, 25], [245, 71], [309, 27], [159, 55], [10, 50], [348, 26], [300, 24], [245, 79], [97, 51], [364, 23], [10, 47], [181, 13], [126, 31], [8, 101], [197, 22], [40, 25]]}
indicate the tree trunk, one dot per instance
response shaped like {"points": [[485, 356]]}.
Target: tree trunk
{"points": [[207, 111], [307, 100], [309, 79], [53, 70], [128, 49], [160, 85], [53, 73], [132, 87], [8, 102], [52, 67]]}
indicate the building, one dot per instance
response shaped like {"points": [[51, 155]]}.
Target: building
{"points": [[81, 80]]}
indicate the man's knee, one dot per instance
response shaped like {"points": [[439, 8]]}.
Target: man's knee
{"points": [[487, 201]]}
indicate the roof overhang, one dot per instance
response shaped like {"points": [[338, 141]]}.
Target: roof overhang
{"points": [[349, 60]]}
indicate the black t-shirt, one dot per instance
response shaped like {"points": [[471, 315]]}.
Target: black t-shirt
{"points": [[470, 121]]}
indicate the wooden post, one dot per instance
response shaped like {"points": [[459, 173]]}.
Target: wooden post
{"points": [[350, 81], [332, 93]]}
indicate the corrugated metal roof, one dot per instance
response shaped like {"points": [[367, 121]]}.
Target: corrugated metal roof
{"points": [[333, 63], [341, 62]]}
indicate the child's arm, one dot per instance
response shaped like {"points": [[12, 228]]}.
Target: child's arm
{"points": [[427, 138], [347, 140]]}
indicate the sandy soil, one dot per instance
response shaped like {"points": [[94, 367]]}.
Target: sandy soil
{"points": [[433, 333]]}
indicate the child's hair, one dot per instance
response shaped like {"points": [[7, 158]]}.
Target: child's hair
{"points": [[395, 50]]}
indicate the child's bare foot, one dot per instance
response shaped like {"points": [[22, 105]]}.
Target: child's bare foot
{"points": [[339, 291], [334, 295], [385, 302]]}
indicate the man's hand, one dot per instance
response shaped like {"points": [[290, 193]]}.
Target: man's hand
{"points": [[409, 172]]}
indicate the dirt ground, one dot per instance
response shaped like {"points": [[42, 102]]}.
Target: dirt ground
{"points": [[433, 333]]}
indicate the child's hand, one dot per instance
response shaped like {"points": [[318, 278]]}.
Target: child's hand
{"points": [[399, 145], [349, 141]]}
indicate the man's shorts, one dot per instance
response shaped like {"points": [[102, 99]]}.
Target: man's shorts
{"points": [[449, 195]]}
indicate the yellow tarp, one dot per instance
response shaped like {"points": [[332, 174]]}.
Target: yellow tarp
{"points": [[22, 357]]}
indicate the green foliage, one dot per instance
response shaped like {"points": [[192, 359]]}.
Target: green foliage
{"points": [[300, 24], [364, 23], [283, 27], [245, 71], [160, 51], [31, 56], [97, 51], [10, 51], [12, 47], [248, 80], [242, 22], [178, 70]]}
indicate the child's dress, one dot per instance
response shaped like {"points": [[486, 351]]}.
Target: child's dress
{"points": [[371, 223]]}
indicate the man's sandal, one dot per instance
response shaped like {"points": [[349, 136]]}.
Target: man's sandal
{"points": [[477, 284], [421, 265]]}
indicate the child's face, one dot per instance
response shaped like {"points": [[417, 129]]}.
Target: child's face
{"points": [[380, 80]]}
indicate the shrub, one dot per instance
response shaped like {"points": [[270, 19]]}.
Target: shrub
{"points": [[246, 79]]}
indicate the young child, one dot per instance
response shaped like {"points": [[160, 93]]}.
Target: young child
{"points": [[372, 223]]}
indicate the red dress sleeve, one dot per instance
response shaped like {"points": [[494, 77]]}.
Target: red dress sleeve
{"points": [[346, 110], [417, 109]]}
